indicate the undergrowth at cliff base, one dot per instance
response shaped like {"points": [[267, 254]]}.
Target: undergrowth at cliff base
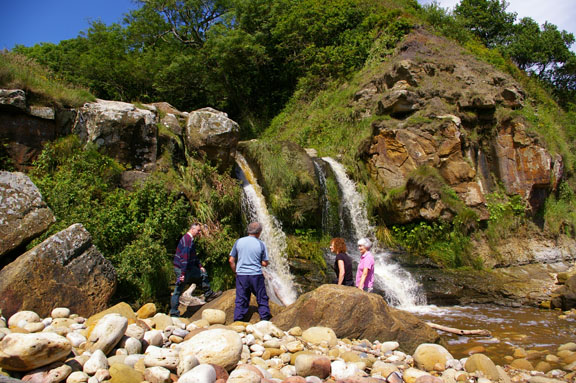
{"points": [[137, 231]]}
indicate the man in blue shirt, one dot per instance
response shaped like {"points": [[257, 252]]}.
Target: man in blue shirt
{"points": [[188, 269], [247, 257]]}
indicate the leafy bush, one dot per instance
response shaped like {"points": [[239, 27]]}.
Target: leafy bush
{"points": [[560, 212], [442, 242], [137, 231], [507, 213]]}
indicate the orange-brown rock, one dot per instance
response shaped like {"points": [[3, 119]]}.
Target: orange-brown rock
{"points": [[352, 313]]}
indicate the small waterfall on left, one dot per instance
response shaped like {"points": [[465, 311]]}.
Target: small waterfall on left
{"points": [[279, 281]]}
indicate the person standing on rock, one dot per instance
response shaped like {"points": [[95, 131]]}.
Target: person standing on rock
{"points": [[342, 263], [365, 272], [248, 256], [188, 269]]}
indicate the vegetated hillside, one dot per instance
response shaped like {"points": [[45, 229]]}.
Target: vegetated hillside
{"points": [[349, 75], [422, 131]]}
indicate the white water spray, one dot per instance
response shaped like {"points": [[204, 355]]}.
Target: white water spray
{"points": [[400, 287], [280, 284]]}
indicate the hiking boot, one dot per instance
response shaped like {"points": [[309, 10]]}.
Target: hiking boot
{"points": [[211, 295]]}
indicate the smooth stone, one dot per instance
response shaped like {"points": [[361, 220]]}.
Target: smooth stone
{"points": [[96, 362], [186, 363], [132, 346], [294, 346], [263, 329], [146, 311], [343, 370], [522, 364], [551, 358], [482, 363], [203, 373], [295, 331], [388, 346], [412, 374], [77, 377], [161, 357], [162, 321], [121, 373], [117, 359], [427, 355], [428, 379], [317, 335], [25, 352], [383, 369], [131, 360], [215, 346], [543, 367], [157, 375], [135, 331], [296, 354], [243, 375], [75, 338], [34, 327], [316, 365], [60, 312], [154, 338], [294, 379], [571, 346], [102, 375], [26, 316], [213, 316], [350, 356], [107, 333], [55, 372]]}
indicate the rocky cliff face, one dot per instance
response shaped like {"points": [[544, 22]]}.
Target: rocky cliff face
{"points": [[65, 269], [443, 109]]}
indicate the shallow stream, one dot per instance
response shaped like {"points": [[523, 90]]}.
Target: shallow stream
{"points": [[511, 328]]}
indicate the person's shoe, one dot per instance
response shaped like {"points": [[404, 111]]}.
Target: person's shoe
{"points": [[211, 295]]}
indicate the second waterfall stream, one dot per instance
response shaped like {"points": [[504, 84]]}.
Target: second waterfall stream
{"points": [[400, 288], [279, 280]]}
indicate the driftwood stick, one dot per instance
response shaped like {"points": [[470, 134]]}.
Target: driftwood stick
{"points": [[458, 331]]}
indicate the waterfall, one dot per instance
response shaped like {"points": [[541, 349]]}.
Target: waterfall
{"points": [[325, 202], [279, 283], [400, 288]]}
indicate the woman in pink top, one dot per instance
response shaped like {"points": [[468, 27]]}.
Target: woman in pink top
{"points": [[365, 272]]}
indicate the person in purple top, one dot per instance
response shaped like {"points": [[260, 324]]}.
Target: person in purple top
{"points": [[188, 269], [247, 257], [365, 272]]}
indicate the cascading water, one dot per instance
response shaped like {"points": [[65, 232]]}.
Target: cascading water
{"points": [[279, 283], [399, 286]]}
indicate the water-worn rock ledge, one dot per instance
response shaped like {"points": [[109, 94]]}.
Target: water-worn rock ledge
{"points": [[118, 345]]}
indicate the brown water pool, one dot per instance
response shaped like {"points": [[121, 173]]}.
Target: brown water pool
{"points": [[526, 327]]}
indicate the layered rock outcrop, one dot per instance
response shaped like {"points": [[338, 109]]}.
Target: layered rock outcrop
{"points": [[449, 111], [65, 270], [23, 213]]}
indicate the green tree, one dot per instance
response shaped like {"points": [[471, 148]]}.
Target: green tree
{"points": [[487, 19]]}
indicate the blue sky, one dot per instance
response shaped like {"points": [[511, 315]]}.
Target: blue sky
{"points": [[28, 22]]}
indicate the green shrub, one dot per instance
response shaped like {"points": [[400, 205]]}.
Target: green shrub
{"points": [[138, 231], [507, 214], [560, 212]]}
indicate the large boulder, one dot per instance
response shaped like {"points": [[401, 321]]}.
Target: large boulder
{"points": [[25, 352], [65, 270], [23, 213], [13, 99], [212, 132], [353, 313], [123, 131]]}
